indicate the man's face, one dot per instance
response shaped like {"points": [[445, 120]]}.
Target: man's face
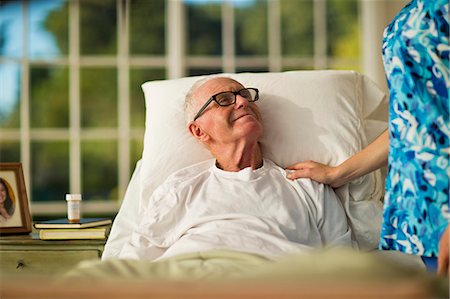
{"points": [[224, 124]]}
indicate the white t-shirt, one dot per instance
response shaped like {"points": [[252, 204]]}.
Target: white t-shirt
{"points": [[256, 211]]}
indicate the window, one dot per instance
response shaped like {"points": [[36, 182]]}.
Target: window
{"points": [[72, 108]]}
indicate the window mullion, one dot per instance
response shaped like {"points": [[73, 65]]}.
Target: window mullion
{"points": [[74, 97], [175, 26], [123, 96], [320, 34], [25, 142], [274, 31], [374, 18], [228, 47]]}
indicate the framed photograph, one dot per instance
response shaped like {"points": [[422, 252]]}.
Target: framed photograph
{"points": [[15, 215]]}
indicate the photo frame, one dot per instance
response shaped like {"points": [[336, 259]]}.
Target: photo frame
{"points": [[15, 215]]}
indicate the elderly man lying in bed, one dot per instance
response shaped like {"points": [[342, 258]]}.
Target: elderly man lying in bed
{"points": [[242, 203]]}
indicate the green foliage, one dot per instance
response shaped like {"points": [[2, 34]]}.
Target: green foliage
{"points": [[147, 27], [49, 97], [57, 22], [99, 166], [98, 97], [297, 28], [203, 71], [49, 170], [343, 28], [251, 29], [136, 147], [204, 36], [98, 27], [9, 151]]}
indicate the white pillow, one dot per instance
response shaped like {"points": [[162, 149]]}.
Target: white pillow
{"points": [[317, 115]]}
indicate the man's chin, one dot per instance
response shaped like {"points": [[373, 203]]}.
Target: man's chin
{"points": [[253, 129]]}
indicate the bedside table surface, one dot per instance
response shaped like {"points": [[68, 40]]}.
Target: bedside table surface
{"points": [[33, 239]]}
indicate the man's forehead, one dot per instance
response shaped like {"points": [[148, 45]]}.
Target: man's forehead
{"points": [[216, 85]]}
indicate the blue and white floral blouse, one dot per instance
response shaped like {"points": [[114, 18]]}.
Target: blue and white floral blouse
{"points": [[416, 59]]}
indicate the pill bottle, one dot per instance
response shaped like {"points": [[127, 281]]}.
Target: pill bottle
{"points": [[73, 207]]}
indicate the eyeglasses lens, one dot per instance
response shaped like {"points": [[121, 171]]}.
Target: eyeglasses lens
{"points": [[225, 99]]}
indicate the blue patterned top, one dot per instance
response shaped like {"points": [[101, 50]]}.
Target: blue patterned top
{"points": [[416, 59]]}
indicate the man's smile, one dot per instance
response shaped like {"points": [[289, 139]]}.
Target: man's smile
{"points": [[242, 115]]}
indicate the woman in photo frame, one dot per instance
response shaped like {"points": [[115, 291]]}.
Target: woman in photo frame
{"points": [[6, 202]]}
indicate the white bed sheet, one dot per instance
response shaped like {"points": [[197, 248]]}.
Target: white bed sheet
{"points": [[118, 236]]}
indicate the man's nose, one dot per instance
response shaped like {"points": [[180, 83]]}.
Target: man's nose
{"points": [[241, 102]]}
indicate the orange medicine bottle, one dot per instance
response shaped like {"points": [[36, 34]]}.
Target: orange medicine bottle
{"points": [[73, 207]]}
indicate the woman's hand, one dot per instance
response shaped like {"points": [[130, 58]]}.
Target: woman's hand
{"points": [[316, 171], [369, 159], [443, 257]]}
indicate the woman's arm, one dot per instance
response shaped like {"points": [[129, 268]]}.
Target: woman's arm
{"points": [[374, 156]]}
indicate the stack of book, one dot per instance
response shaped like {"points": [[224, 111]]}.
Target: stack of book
{"points": [[85, 228]]}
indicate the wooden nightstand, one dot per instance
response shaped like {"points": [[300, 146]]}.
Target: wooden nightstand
{"points": [[28, 255]]}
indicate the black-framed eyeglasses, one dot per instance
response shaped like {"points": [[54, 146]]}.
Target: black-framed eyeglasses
{"points": [[227, 98]]}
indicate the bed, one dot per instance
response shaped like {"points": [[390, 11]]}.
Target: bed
{"points": [[325, 116], [319, 115]]}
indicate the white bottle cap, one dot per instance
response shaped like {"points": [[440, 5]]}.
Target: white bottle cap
{"points": [[73, 196]]}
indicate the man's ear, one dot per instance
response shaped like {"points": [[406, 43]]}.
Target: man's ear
{"points": [[197, 131]]}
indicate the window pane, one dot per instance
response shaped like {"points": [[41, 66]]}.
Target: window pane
{"points": [[48, 34], [98, 97], [137, 100], [147, 27], [204, 28], [136, 147], [203, 71], [99, 170], [49, 97], [98, 27], [10, 95], [9, 151], [297, 30], [11, 29], [298, 68], [252, 69], [251, 27], [343, 29], [49, 170]]}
